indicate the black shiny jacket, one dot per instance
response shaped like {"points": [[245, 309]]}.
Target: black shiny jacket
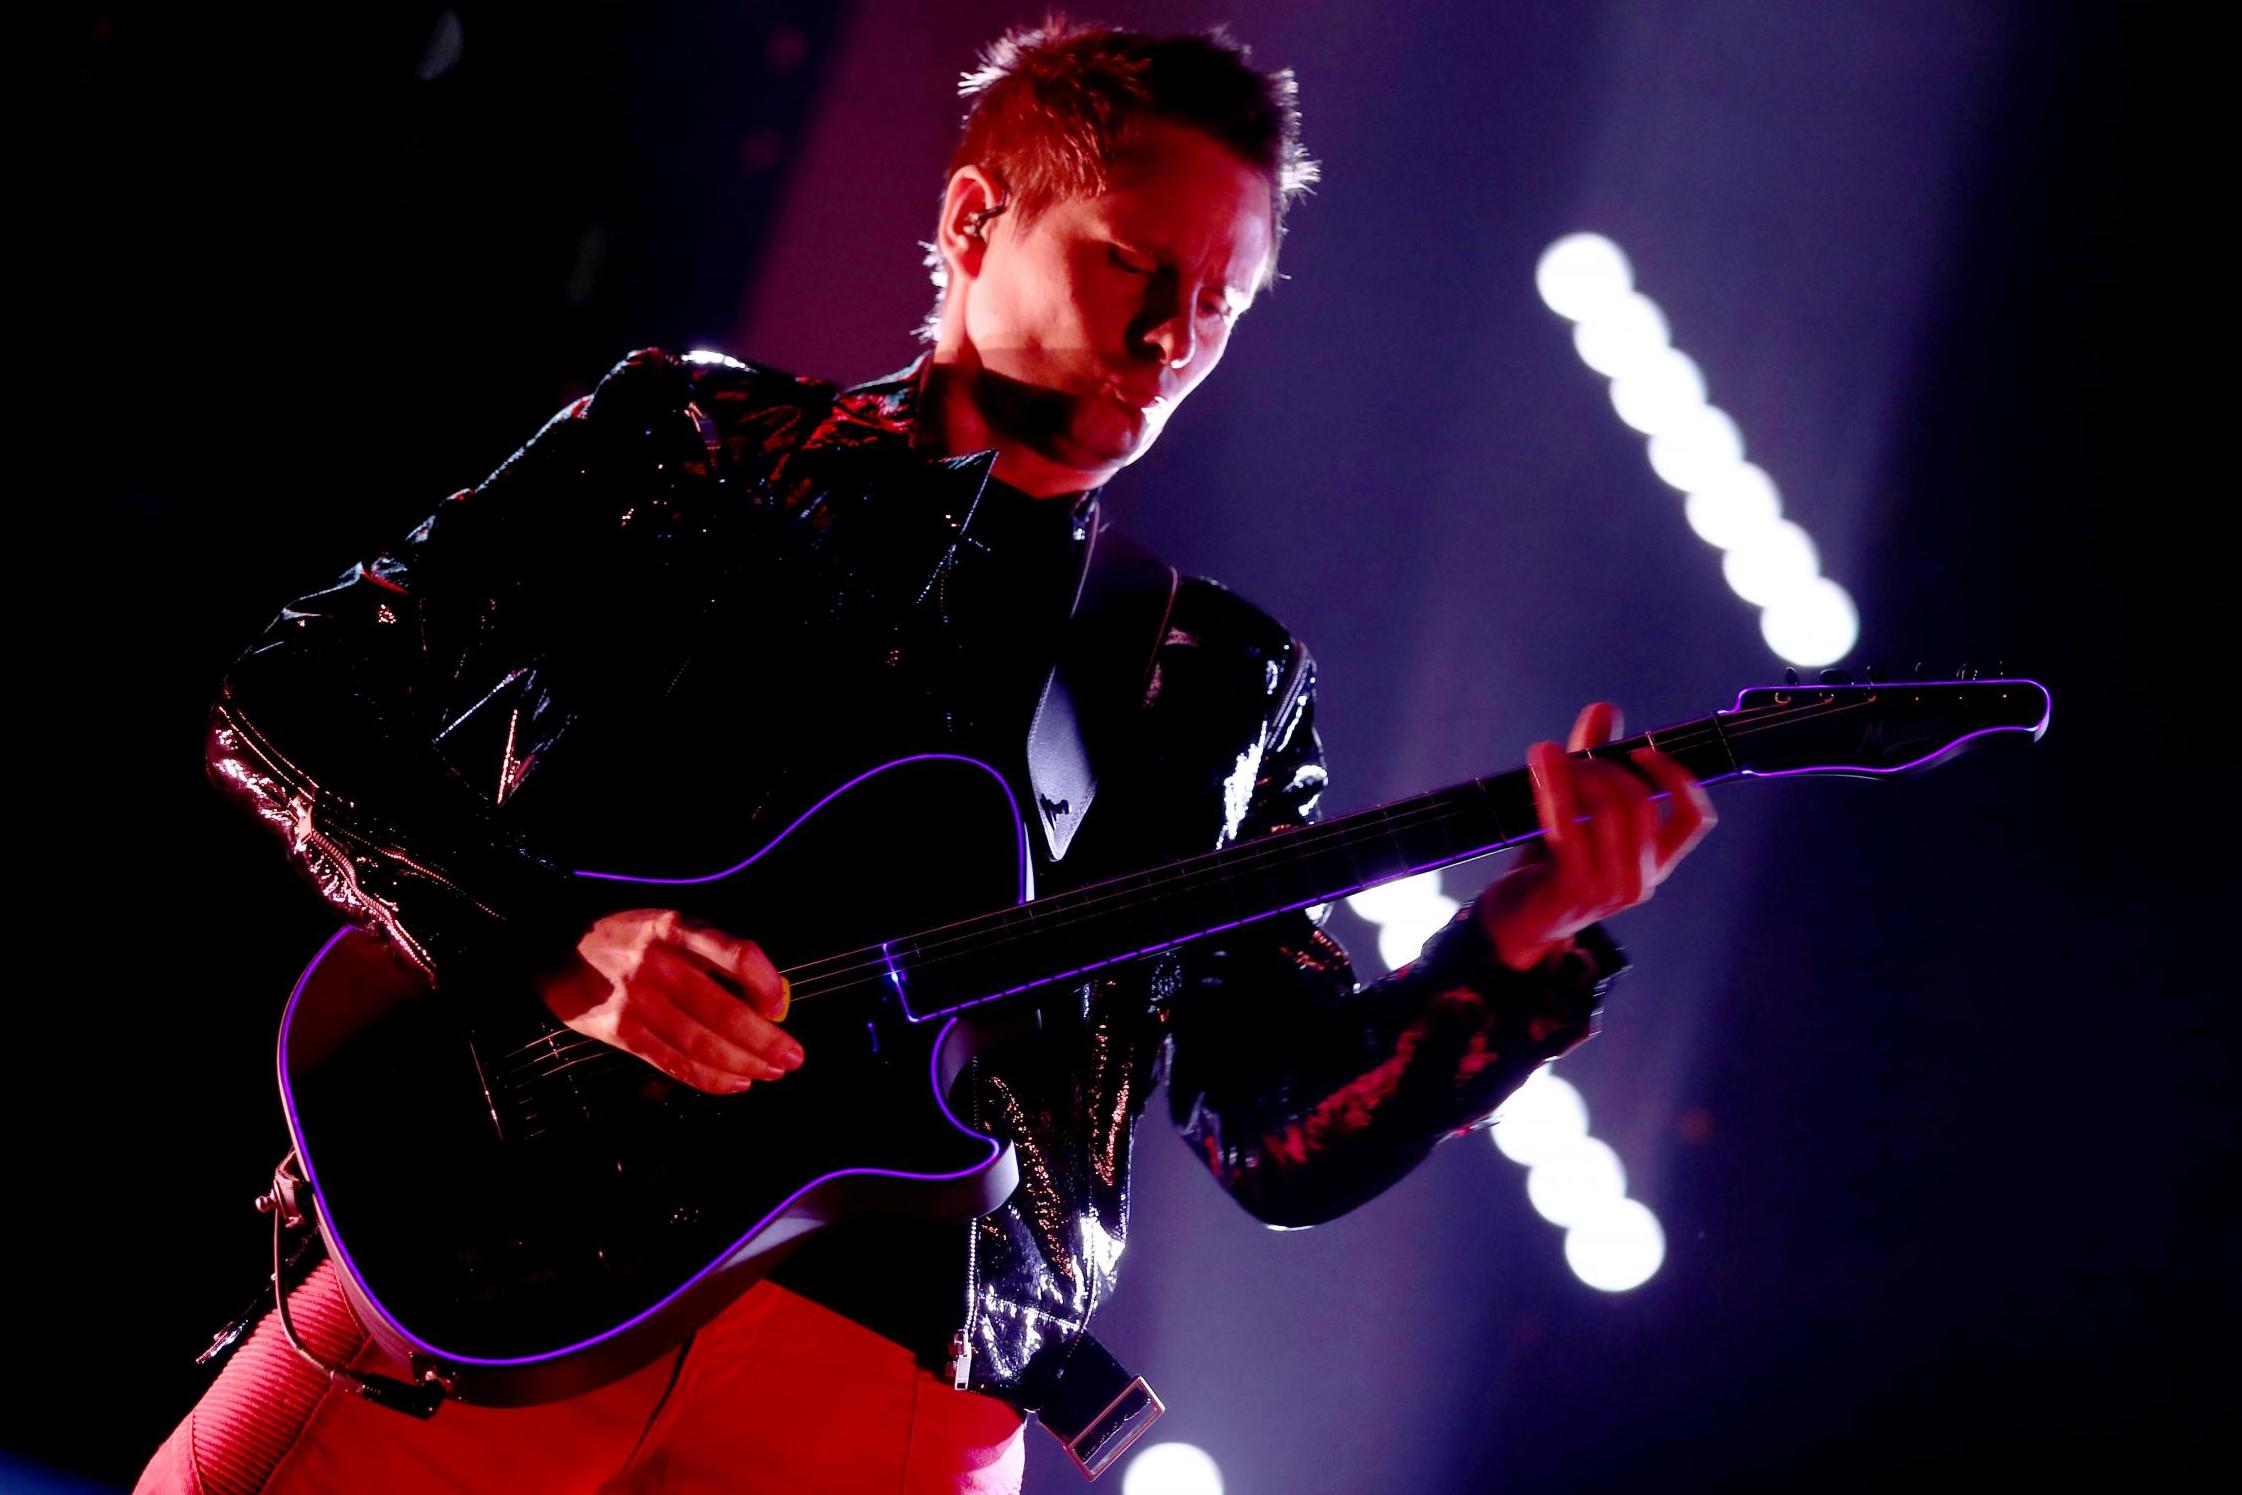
{"points": [[439, 733]]}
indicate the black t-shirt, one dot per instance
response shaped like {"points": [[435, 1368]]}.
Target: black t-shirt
{"points": [[1006, 602]]}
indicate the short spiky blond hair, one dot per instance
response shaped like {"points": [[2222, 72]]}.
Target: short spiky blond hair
{"points": [[1051, 106]]}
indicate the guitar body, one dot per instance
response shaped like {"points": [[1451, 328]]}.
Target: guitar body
{"points": [[529, 1214]]}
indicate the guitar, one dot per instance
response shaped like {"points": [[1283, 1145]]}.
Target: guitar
{"points": [[521, 1213]]}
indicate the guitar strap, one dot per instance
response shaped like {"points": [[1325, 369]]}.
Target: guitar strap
{"points": [[1121, 608], [1097, 1410], [1081, 1394]]}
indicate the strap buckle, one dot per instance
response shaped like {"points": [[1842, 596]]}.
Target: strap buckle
{"points": [[1110, 1434]]}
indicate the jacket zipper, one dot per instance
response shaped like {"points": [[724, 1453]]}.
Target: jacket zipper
{"points": [[961, 1343]]}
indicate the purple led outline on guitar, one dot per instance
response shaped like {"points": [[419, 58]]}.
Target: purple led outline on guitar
{"points": [[894, 972], [1027, 883], [934, 1080], [311, 1175], [1936, 755], [2036, 730]]}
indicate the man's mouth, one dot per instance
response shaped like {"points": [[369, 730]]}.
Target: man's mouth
{"points": [[1136, 397]]}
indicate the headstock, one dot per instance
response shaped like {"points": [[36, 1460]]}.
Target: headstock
{"points": [[1835, 726]]}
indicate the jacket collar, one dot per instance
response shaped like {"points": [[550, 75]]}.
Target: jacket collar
{"points": [[884, 412], [885, 407]]}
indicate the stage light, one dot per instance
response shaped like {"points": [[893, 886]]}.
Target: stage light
{"points": [[1618, 1246], [1696, 447], [1542, 1117], [1172, 1469], [1726, 511], [440, 54], [1402, 937], [1621, 335], [1698, 451], [1583, 274], [1771, 564], [1382, 902], [1814, 625], [1570, 1183], [1573, 1179], [1659, 393], [1577, 1181], [1408, 911]]}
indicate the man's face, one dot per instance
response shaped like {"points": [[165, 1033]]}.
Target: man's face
{"points": [[1101, 315]]}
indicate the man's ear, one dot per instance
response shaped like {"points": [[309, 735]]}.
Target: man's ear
{"points": [[970, 205]]}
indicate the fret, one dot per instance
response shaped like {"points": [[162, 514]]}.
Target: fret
{"points": [[1317, 863], [1773, 732]]}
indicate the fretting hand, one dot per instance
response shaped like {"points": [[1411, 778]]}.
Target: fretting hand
{"points": [[1606, 845]]}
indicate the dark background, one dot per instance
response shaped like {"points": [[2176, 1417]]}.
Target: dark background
{"points": [[1930, 1083]]}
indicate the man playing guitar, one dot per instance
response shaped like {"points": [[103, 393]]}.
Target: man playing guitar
{"points": [[707, 588]]}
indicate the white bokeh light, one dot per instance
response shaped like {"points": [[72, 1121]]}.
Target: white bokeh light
{"points": [[1697, 448], [1728, 512], [1581, 274], [1572, 1178], [1543, 1116], [1389, 899], [1660, 393], [1617, 1247], [1771, 564], [1408, 911], [1172, 1469], [1813, 626], [1569, 1183], [1621, 335], [1698, 451], [1401, 938]]}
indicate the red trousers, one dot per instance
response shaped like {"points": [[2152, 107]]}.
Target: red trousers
{"points": [[776, 1393]]}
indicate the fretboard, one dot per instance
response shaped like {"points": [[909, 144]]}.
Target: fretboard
{"points": [[1009, 950]]}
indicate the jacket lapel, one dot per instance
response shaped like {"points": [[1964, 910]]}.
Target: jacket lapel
{"points": [[861, 460]]}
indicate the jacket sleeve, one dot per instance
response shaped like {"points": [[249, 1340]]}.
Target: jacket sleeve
{"points": [[1306, 1094], [379, 724]]}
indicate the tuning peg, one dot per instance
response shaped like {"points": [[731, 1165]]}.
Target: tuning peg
{"points": [[1790, 676], [1964, 672], [1918, 669], [1868, 673], [1836, 677]]}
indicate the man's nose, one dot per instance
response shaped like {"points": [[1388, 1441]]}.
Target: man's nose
{"points": [[1177, 339]]}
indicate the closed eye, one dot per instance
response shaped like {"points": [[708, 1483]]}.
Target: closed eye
{"points": [[1123, 262]]}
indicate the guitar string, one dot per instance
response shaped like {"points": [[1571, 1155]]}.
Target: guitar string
{"points": [[1440, 801], [1284, 846], [872, 971], [868, 967], [1439, 804], [852, 970]]}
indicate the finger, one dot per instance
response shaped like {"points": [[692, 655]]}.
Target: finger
{"points": [[719, 1009], [1615, 807], [711, 1023], [1597, 724], [1555, 800], [680, 1065], [1689, 809], [740, 961]]}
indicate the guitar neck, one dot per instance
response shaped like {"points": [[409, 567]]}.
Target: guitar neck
{"points": [[1068, 934]]}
